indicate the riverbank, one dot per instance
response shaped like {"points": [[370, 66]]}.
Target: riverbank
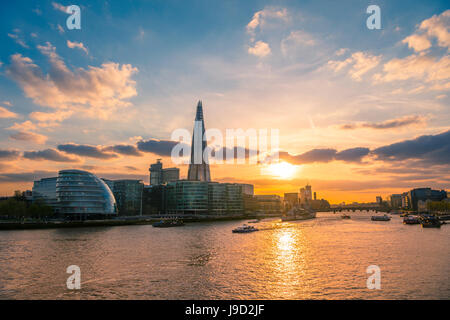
{"points": [[28, 225]]}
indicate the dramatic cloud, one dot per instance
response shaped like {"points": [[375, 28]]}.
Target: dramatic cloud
{"points": [[124, 149], [389, 124], [29, 136], [433, 149], [315, 155], [159, 147], [9, 154], [260, 49], [48, 154], [95, 91], [86, 151], [26, 176], [352, 155], [78, 45], [5, 113]]}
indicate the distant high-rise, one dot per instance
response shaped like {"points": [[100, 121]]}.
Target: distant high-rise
{"points": [[198, 167], [158, 175]]}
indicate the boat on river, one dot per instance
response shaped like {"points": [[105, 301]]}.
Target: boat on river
{"points": [[168, 223], [245, 229], [411, 220], [384, 217], [346, 216], [428, 221]]}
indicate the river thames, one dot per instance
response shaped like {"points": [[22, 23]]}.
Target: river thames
{"points": [[323, 258]]}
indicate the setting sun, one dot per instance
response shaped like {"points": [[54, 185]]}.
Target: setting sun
{"points": [[282, 170]]}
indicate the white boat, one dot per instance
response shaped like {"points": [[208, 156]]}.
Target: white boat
{"points": [[381, 218], [297, 213], [245, 229]]}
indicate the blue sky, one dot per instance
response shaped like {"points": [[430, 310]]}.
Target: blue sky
{"points": [[309, 68]]}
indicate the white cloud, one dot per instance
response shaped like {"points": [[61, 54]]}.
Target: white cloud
{"points": [[417, 42], [260, 49], [438, 26], [78, 45], [260, 18], [361, 62]]}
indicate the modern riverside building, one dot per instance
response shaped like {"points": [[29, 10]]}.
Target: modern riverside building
{"points": [[158, 175], [424, 194], [187, 197], [44, 190], [198, 167], [128, 195], [154, 200], [203, 198], [81, 193]]}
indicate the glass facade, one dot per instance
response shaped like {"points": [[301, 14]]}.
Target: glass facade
{"points": [[80, 192], [202, 197], [44, 190]]}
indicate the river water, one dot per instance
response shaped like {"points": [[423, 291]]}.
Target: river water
{"points": [[323, 258]]}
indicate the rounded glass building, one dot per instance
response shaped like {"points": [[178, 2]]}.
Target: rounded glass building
{"points": [[82, 193]]}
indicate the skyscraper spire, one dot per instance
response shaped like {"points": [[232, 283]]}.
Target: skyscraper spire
{"points": [[198, 167]]}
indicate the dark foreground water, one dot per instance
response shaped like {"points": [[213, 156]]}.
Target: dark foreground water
{"points": [[324, 258]]}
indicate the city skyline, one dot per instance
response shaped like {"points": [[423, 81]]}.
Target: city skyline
{"points": [[361, 112]]}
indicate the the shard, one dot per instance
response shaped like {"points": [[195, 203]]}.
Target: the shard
{"points": [[198, 167]]}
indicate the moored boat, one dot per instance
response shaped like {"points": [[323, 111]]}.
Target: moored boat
{"points": [[384, 217], [428, 221], [168, 223], [411, 220], [346, 216]]}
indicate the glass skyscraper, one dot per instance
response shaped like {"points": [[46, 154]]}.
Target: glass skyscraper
{"points": [[198, 167]]}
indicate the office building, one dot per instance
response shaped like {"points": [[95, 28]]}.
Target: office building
{"points": [[290, 200], [424, 194], [158, 175], [269, 203], [128, 195], [395, 201]]}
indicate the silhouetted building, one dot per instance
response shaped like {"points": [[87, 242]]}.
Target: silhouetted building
{"points": [[290, 200], [425, 194], [395, 201], [158, 175], [269, 203], [198, 167], [154, 200], [128, 195]]}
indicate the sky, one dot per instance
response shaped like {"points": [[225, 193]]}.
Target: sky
{"points": [[360, 112]]}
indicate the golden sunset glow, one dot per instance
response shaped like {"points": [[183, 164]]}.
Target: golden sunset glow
{"points": [[282, 170]]}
